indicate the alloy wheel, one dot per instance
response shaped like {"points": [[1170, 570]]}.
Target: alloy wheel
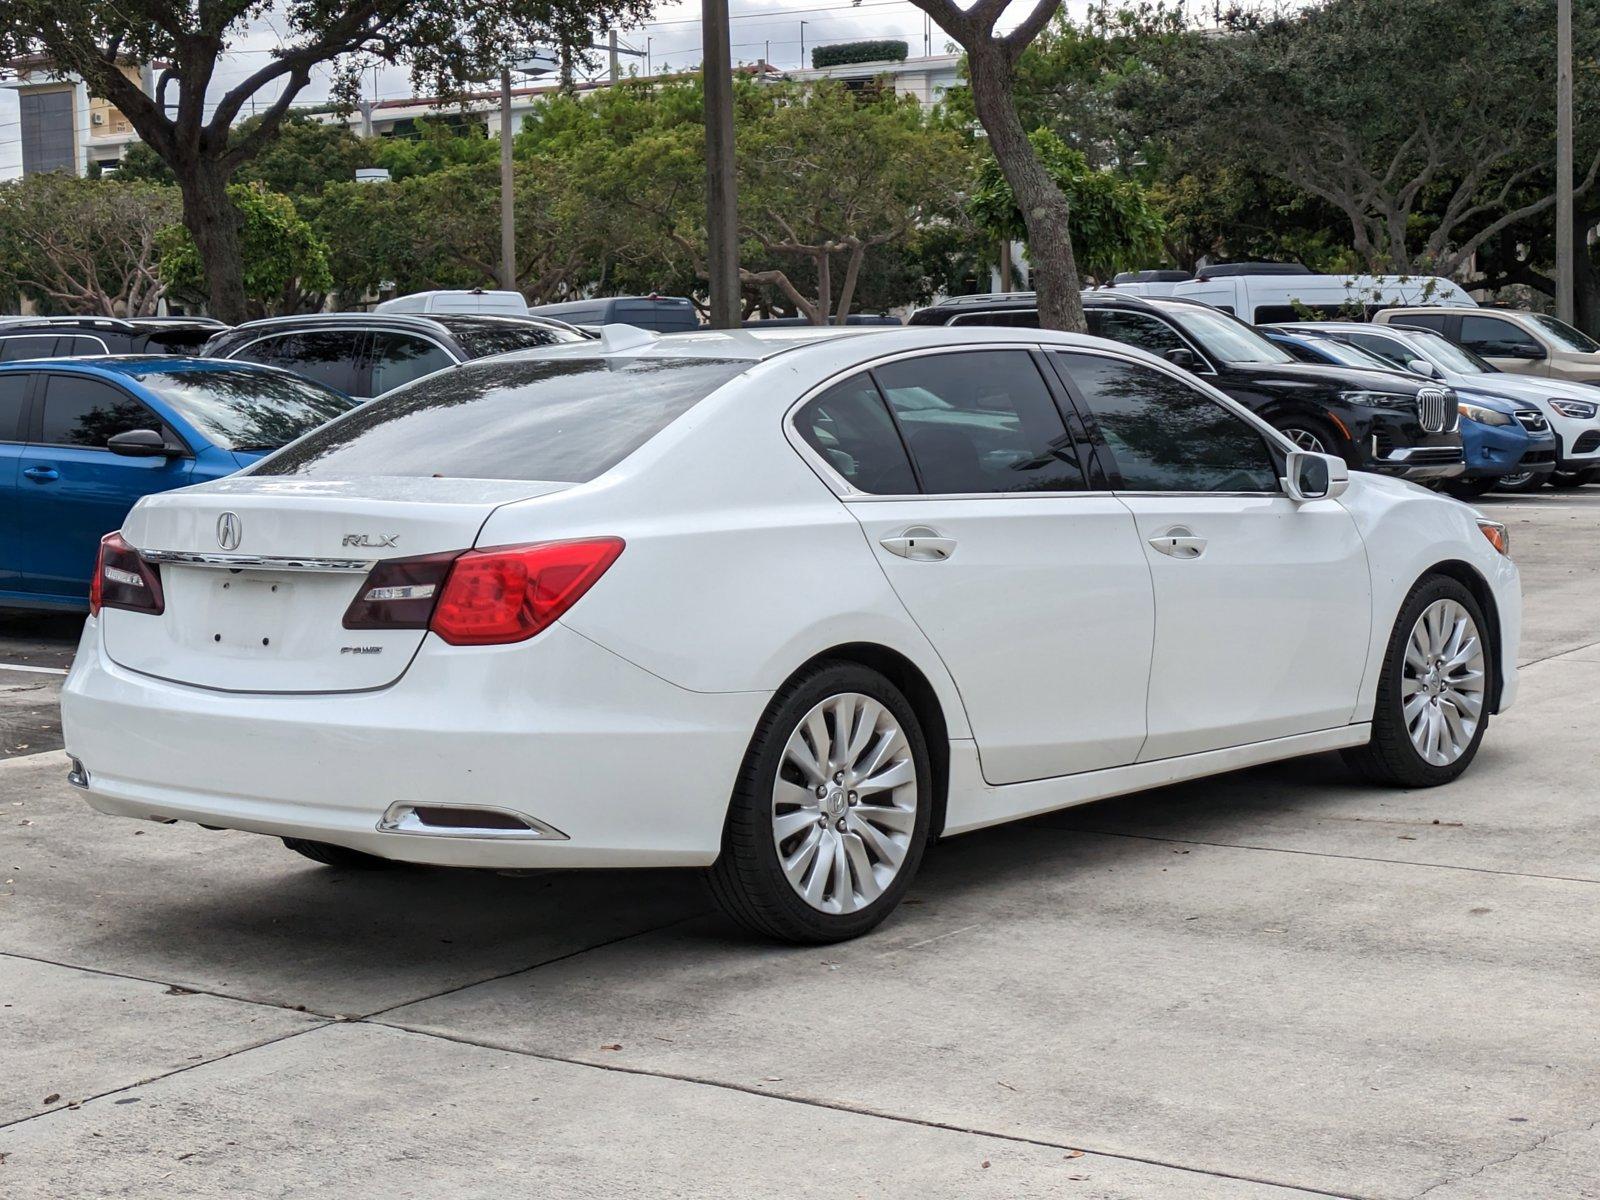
{"points": [[1517, 479], [1443, 684], [844, 803], [1304, 439]]}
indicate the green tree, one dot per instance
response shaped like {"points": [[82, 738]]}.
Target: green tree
{"points": [[1114, 226], [446, 43], [84, 246], [283, 263]]}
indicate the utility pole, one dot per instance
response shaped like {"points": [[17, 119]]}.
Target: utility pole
{"points": [[1564, 232], [802, 45], [722, 217], [508, 254], [611, 45]]}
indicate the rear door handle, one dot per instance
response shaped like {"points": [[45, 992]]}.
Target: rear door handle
{"points": [[920, 544], [42, 474], [1179, 542]]}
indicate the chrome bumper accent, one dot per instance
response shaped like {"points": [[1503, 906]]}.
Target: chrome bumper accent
{"points": [[260, 562], [401, 817]]}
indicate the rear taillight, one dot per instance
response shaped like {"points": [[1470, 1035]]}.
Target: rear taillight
{"points": [[481, 597], [122, 579]]}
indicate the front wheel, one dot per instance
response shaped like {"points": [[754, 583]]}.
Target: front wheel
{"points": [[1307, 433], [1520, 483], [1433, 695], [831, 811]]}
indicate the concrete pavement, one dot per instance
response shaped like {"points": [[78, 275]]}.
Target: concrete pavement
{"points": [[1278, 983]]}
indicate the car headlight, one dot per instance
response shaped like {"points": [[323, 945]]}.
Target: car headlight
{"points": [[1578, 410], [1484, 416], [1380, 399]]}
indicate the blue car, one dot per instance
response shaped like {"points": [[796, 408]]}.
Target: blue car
{"points": [[82, 439], [1501, 440]]}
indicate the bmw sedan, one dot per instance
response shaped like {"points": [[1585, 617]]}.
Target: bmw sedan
{"points": [[785, 606], [82, 439]]}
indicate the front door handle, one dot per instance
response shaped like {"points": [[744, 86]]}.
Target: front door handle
{"points": [[920, 544], [42, 474], [1179, 542]]}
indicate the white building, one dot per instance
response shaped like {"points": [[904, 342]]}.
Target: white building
{"points": [[927, 78], [49, 121]]}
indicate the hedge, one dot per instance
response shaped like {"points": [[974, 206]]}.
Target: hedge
{"points": [[858, 52]]}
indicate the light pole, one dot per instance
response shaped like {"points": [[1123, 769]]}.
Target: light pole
{"points": [[508, 257], [722, 217], [802, 45], [1564, 231]]}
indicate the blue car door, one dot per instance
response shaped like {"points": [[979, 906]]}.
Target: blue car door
{"points": [[13, 431], [71, 489]]}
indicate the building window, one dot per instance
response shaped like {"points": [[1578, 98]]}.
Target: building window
{"points": [[47, 143]]}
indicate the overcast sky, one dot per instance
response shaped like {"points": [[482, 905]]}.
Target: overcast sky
{"points": [[768, 29]]}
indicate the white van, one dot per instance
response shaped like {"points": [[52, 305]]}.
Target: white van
{"points": [[476, 302], [1277, 296]]}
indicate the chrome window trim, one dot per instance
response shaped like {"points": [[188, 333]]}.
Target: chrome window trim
{"points": [[850, 494], [266, 562]]}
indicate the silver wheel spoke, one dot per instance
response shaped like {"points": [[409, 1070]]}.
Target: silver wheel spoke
{"points": [[1442, 682], [838, 853]]}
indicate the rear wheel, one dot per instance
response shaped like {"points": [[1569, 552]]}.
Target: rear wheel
{"points": [[1433, 695], [831, 811], [1574, 479], [330, 855]]}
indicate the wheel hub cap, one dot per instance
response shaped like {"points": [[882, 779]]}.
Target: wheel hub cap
{"points": [[1444, 682], [844, 804]]}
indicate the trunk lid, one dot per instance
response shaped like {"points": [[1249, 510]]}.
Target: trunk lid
{"points": [[257, 573]]}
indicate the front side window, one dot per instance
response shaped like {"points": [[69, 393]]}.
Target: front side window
{"points": [[1135, 329], [245, 408], [327, 356], [1494, 337], [981, 421], [1564, 335], [399, 358], [850, 428], [556, 420], [1164, 434], [1393, 352], [89, 413], [483, 338]]}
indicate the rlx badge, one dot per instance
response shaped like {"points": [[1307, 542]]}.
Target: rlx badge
{"points": [[371, 540]]}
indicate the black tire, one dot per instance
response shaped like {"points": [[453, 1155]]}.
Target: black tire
{"points": [[1471, 489], [747, 881], [1390, 758], [1574, 479], [330, 855], [1531, 483], [1331, 442]]}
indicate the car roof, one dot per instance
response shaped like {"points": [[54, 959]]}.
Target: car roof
{"points": [[130, 365], [129, 325], [415, 321]]}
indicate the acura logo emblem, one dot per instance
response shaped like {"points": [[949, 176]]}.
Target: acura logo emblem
{"points": [[229, 531]]}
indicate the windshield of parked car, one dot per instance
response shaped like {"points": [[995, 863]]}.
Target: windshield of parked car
{"points": [[241, 409], [483, 338], [1565, 335], [560, 420], [1227, 339], [1442, 352]]}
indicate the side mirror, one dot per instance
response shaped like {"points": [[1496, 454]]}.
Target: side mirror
{"points": [[1308, 476], [1421, 366], [142, 443], [1527, 350], [1178, 356]]}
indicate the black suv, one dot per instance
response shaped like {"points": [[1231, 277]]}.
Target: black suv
{"points": [[368, 354], [79, 337], [1376, 420]]}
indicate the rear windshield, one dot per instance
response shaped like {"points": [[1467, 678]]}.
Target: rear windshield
{"points": [[247, 409], [482, 340], [559, 420]]}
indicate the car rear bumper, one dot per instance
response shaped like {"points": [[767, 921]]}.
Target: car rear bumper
{"points": [[616, 766]]}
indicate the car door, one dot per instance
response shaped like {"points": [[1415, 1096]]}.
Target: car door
{"points": [[1504, 343], [1030, 587], [71, 490], [335, 358], [1263, 606], [398, 358], [15, 546]]}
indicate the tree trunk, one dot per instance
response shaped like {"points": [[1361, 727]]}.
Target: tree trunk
{"points": [[1044, 207], [213, 222], [1585, 283]]}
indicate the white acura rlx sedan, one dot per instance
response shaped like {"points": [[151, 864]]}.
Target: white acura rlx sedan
{"points": [[786, 606]]}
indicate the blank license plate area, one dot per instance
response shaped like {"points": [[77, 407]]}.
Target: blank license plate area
{"points": [[247, 614]]}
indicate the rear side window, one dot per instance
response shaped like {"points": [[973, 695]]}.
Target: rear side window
{"points": [[1166, 435], [13, 399], [849, 427], [89, 413], [558, 420], [1434, 321], [981, 421], [16, 349], [328, 356]]}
